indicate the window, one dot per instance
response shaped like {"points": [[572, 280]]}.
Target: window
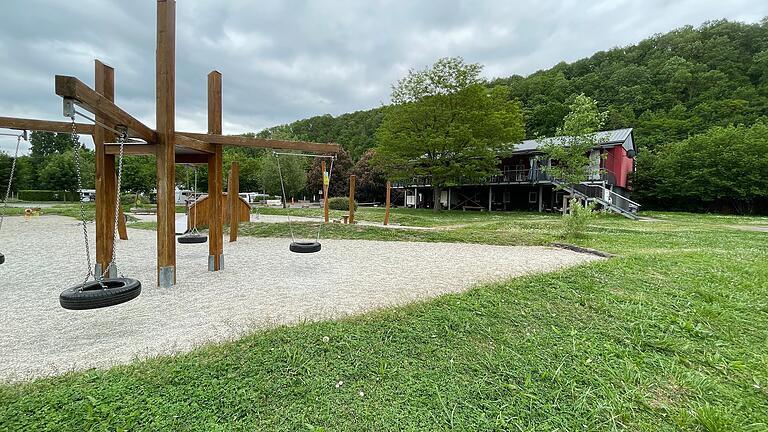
{"points": [[533, 197]]}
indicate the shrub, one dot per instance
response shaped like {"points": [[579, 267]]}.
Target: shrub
{"points": [[339, 203], [575, 222]]}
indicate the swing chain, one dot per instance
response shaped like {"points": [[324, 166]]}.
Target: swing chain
{"points": [[78, 170], [10, 179], [121, 138]]}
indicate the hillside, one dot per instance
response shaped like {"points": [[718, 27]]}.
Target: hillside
{"points": [[667, 87]]}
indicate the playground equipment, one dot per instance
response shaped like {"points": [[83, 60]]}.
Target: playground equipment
{"points": [[193, 235], [168, 145], [104, 290], [306, 246], [18, 137]]}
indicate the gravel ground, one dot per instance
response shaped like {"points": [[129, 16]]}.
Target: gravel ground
{"points": [[262, 285]]}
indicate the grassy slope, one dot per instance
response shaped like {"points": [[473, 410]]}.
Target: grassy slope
{"points": [[669, 335]]}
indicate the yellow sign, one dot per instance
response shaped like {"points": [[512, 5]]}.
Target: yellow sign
{"points": [[326, 179]]}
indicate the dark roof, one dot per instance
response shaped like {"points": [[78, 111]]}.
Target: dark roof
{"points": [[608, 139]]}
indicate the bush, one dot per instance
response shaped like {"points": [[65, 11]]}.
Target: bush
{"points": [[575, 222], [47, 195], [339, 203]]}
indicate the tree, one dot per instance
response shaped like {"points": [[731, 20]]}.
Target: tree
{"points": [[139, 174], [294, 175], [577, 137], [371, 181], [45, 144], [342, 168], [445, 123], [59, 171]]}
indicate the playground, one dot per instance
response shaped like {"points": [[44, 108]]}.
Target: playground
{"points": [[263, 285]]}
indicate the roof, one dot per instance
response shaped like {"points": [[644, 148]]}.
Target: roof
{"points": [[608, 138]]}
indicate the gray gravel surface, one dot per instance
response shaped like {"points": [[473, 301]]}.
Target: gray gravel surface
{"points": [[262, 285]]}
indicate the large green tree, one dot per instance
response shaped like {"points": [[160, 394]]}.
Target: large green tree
{"points": [[294, 175], [444, 123], [570, 152]]}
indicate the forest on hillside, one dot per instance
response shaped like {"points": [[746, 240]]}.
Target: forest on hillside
{"points": [[668, 87]]}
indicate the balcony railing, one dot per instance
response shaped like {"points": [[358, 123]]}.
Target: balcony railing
{"points": [[530, 176]]}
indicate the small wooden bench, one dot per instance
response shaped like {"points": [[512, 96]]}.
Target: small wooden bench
{"points": [[465, 208], [345, 219]]}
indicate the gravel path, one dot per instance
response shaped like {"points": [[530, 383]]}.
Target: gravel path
{"points": [[262, 285]]}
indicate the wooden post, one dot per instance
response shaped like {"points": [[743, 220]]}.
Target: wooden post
{"points": [[233, 199], [105, 177], [325, 192], [166, 168], [387, 203], [215, 176], [352, 199]]}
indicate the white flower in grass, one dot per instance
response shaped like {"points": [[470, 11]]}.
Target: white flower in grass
{"points": [[339, 384], [361, 393], [326, 339]]}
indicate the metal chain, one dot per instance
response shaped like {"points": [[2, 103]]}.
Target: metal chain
{"points": [[330, 171], [10, 180], [285, 198], [113, 263], [76, 149], [194, 196]]}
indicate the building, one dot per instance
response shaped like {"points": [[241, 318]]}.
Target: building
{"points": [[524, 185]]}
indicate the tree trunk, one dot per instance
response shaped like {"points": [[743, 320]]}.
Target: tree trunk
{"points": [[436, 198]]}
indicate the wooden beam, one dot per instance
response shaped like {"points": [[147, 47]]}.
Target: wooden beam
{"points": [[387, 203], [215, 176], [194, 144], [106, 184], [165, 81], [352, 199], [233, 200], [44, 125], [325, 191], [131, 149], [243, 141], [72, 88]]}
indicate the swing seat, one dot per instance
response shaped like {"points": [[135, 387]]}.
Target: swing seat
{"points": [[305, 247], [192, 238], [94, 295], [2, 258]]}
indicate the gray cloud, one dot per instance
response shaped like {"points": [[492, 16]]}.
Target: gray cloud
{"points": [[286, 60]]}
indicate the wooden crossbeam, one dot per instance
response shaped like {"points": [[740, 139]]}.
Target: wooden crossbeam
{"points": [[242, 141], [131, 149], [72, 88], [44, 125], [194, 144]]}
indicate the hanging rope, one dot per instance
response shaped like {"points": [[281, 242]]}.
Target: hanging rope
{"points": [[10, 180]]}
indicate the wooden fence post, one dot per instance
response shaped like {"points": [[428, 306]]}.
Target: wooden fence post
{"points": [[387, 203], [352, 199], [233, 198], [325, 192]]}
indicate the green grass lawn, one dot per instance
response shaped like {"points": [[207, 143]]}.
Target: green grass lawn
{"points": [[672, 334]]}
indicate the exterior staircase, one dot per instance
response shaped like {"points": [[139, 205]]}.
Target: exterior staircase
{"points": [[604, 197]]}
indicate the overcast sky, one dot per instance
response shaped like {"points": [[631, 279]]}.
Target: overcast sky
{"points": [[284, 60]]}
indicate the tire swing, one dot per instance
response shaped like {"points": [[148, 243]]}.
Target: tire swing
{"points": [[193, 236], [102, 291], [302, 246], [10, 181]]}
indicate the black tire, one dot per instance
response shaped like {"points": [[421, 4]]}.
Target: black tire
{"points": [[93, 296], [191, 239], [2, 258], [305, 247]]}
